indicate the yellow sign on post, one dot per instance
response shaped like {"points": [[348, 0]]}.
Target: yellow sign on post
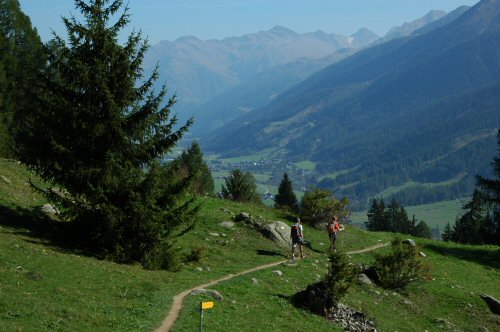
{"points": [[207, 305]]}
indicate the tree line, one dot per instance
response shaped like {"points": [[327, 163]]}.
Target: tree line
{"points": [[394, 218]]}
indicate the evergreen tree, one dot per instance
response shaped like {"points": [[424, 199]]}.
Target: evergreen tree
{"points": [[490, 188], [490, 192], [191, 164], [467, 228], [286, 197], [422, 230], [376, 216], [100, 135], [240, 187], [447, 233], [393, 217], [21, 58]]}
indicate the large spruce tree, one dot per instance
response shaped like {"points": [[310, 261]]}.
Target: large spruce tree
{"points": [[286, 197], [240, 187], [490, 188], [191, 164], [100, 135]]}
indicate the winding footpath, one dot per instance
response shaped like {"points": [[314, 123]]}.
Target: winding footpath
{"points": [[175, 311]]}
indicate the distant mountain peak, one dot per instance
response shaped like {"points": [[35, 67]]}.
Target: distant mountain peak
{"points": [[281, 30]]}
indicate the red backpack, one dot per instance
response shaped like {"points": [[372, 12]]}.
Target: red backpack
{"points": [[331, 228], [295, 231]]}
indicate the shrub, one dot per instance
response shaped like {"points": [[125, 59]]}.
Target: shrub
{"points": [[196, 254], [400, 267], [318, 206], [340, 276]]}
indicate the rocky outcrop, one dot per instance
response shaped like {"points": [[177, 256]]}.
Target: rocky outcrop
{"points": [[317, 300], [276, 231]]}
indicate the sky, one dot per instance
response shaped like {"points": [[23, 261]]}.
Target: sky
{"points": [[216, 19]]}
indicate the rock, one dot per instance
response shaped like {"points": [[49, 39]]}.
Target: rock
{"points": [[207, 268], [363, 278], [493, 303], [212, 293], [200, 269], [423, 254], [407, 302], [227, 224], [254, 281], [6, 180], [276, 231], [278, 273], [49, 209], [214, 234], [409, 242]]}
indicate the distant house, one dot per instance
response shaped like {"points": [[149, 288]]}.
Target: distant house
{"points": [[268, 196]]}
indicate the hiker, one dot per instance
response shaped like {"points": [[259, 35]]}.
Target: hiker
{"points": [[333, 228], [297, 235]]}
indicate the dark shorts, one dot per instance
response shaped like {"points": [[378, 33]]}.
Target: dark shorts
{"points": [[332, 236], [297, 240]]}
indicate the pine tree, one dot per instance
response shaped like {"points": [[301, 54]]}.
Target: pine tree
{"points": [[100, 135], [286, 197], [240, 187], [490, 192], [422, 230], [490, 188], [376, 216], [191, 164], [393, 216], [447, 233], [318, 206], [467, 227]]}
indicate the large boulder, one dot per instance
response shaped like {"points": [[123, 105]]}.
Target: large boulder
{"points": [[277, 231]]}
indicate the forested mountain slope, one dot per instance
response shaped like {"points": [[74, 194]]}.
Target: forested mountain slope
{"points": [[422, 108]]}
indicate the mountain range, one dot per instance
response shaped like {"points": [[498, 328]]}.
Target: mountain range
{"points": [[420, 109]]}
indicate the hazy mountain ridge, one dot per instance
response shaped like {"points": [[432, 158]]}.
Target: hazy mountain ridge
{"points": [[366, 109], [201, 69], [264, 87]]}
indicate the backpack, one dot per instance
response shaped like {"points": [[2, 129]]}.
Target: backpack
{"points": [[295, 231], [331, 228]]}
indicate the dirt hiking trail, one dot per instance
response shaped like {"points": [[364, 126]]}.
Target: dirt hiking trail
{"points": [[175, 311]]}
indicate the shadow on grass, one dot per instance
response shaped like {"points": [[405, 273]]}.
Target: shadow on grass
{"points": [[41, 228], [490, 258], [269, 253]]}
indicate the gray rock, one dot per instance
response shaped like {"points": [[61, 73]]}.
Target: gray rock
{"points": [[49, 209], [212, 293], [5, 179], [277, 231], [363, 278], [227, 224], [278, 273], [200, 269], [423, 254], [493, 303], [255, 281], [410, 242], [214, 234]]}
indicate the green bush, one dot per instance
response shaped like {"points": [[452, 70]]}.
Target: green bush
{"points": [[400, 267], [196, 254], [319, 206], [340, 276]]}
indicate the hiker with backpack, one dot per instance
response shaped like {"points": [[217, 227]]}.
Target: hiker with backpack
{"points": [[297, 235], [333, 228]]}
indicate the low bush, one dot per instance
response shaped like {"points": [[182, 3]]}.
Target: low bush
{"points": [[400, 267]]}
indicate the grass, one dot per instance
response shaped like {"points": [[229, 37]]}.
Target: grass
{"points": [[391, 191], [306, 165], [46, 286]]}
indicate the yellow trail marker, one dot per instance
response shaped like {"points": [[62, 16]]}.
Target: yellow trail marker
{"points": [[207, 305]]}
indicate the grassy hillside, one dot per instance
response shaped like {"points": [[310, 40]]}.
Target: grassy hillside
{"points": [[48, 286]]}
